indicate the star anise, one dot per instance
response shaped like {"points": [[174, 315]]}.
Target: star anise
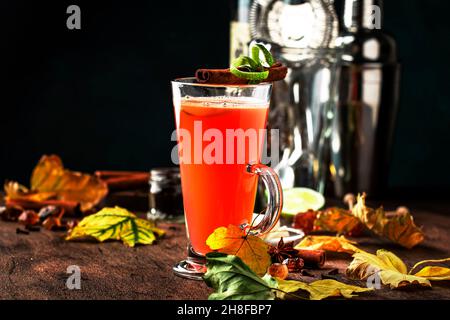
{"points": [[282, 251]]}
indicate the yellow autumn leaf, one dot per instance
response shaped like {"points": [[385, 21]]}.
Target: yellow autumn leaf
{"points": [[233, 240], [390, 269], [434, 273], [399, 228], [320, 289], [328, 243], [116, 224]]}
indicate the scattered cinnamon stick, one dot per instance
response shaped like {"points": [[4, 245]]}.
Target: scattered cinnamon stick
{"points": [[224, 76], [107, 174], [127, 182], [312, 258], [124, 180]]}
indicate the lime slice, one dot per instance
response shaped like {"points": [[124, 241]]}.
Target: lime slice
{"points": [[299, 200], [252, 68]]}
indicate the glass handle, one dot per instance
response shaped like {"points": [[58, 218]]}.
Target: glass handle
{"points": [[275, 199]]}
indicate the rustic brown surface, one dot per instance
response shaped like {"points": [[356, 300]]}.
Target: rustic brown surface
{"points": [[34, 266]]}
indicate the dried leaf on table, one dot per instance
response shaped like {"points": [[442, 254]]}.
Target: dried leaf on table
{"points": [[337, 220], [14, 190], [51, 181], [399, 228], [390, 269], [235, 241], [327, 243], [320, 289], [305, 221], [434, 273], [116, 224]]}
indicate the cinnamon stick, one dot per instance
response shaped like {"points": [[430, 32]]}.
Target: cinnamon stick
{"points": [[224, 76], [131, 182], [106, 174], [312, 258]]}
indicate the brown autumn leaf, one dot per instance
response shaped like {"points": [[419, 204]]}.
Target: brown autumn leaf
{"points": [[233, 240], [336, 220], [327, 243], [399, 228], [50, 180], [15, 190]]}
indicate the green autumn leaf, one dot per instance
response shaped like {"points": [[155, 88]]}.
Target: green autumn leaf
{"points": [[232, 279], [116, 224], [320, 289], [390, 268]]}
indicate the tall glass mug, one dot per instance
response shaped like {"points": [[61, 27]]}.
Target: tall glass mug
{"points": [[220, 132]]}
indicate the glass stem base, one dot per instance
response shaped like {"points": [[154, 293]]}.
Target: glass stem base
{"points": [[194, 267]]}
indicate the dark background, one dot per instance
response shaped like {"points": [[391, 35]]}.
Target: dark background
{"points": [[100, 97]]}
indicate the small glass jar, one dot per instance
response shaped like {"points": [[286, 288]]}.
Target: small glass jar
{"points": [[165, 198]]}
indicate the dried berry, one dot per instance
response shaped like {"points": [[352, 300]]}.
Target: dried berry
{"points": [[29, 218], [294, 264], [305, 221], [278, 270]]}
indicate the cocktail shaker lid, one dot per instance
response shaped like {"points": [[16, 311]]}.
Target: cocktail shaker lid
{"points": [[294, 23]]}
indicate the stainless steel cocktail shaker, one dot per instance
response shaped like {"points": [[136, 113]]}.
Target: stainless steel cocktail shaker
{"points": [[364, 118]]}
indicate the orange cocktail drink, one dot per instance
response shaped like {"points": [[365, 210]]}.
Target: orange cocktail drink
{"points": [[220, 133], [216, 191]]}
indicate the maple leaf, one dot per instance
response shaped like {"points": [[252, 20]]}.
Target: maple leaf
{"points": [[328, 243], [235, 241], [399, 228]]}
